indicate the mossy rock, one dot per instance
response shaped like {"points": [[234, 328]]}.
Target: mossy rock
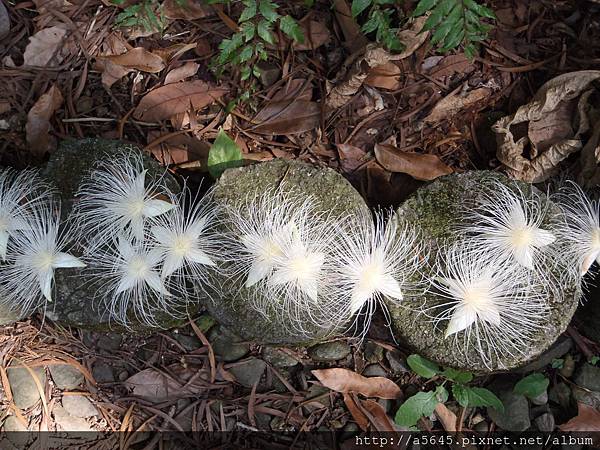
{"points": [[435, 210], [333, 195], [74, 293], [8, 316]]}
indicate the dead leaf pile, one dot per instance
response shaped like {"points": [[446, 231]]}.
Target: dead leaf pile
{"points": [[557, 118]]}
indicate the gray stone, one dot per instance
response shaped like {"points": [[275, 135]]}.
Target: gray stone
{"points": [[397, 363], [79, 406], [481, 427], [515, 416], [278, 358], [558, 350], [250, 372], [8, 316], [588, 377], [23, 387], [591, 398], [13, 424], [541, 399], [373, 352], [329, 351], [16, 440], [374, 370], [588, 315], [65, 376], [436, 210], [189, 343], [226, 344], [67, 422], [545, 422], [103, 373], [332, 193], [560, 393], [76, 302]]}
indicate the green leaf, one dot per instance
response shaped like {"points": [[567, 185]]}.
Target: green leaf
{"points": [[415, 407], [457, 376], [476, 396], [532, 386], [248, 29], [290, 27], [423, 7], [205, 322], [558, 363], [594, 360], [249, 11], [264, 31], [223, 154], [422, 366], [268, 9], [246, 54], [358, 6]]}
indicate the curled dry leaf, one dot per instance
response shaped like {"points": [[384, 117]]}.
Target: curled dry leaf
{"points": [[137, 58], [556, 119], [316, 34], [188, 10], [344, 380], [45, 48], [189, 69], [447, 417], [111, 72], [37, 128], [413, 37], [357, 414], [287, 117], [351, 157], [179, 149], [386, 76], [156, 387], [166, 101], [377, 416], [353, 37], [447, 66], [455, 102], [424, 167], [587, 419]]}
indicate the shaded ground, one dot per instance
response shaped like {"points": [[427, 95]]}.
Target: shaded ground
{"points": [[440, 105]]}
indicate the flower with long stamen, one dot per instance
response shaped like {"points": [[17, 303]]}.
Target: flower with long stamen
{"points": [[509, 223], [187, 238], [118, 198], [127, 272], [580, 230], [375, 260], [494, 308], [34, 253], [19, 192]]}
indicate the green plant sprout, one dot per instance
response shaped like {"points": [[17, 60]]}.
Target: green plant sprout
{"points": [[146, 14], [423, 403]]}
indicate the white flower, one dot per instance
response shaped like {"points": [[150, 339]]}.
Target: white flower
{"points": [[580, 231], [33, 255], [509, 222], [494, 307], [127, 273], [19, 192], [188, 241], [375, 261], [117, 198]]}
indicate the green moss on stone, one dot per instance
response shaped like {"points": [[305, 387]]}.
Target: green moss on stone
{"points": [[333, 194], [436, 210]]}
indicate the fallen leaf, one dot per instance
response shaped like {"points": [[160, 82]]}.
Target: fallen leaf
{"points": [[344, 380], [294, 89], [44, 6], [562, 99], [37, 128], [455, 102], [353, 37], [287, 117], [4, 106], [420, 166], [315, 33], [139, 59], [154, 386], [446, 417], [377, 416], [179, 149], [166, 101], [587, 419], [187, 10], [351, 157], [4, 21], [359, 417], [451, 65], [386, 76], [189, 69], [413, 37], [111, 72], [44, 48]]}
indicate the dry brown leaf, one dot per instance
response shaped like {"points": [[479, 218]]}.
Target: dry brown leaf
{"points": [[111, 72], [189, 69], [44, 48], [413, 37], [4, 21], [287, 117], [386, 76], [562, 99], [455, 102], [377, 416], [37, 129], [154, 386], [447, 417], [353, 37], [344, 380], [450, 65], [351, 157], [420, 166], [138, 58], [294, 89], [587, 419], [4, 106], [315, 34], [166, 101], [179, 149], [359, 417], [188, 10]]}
